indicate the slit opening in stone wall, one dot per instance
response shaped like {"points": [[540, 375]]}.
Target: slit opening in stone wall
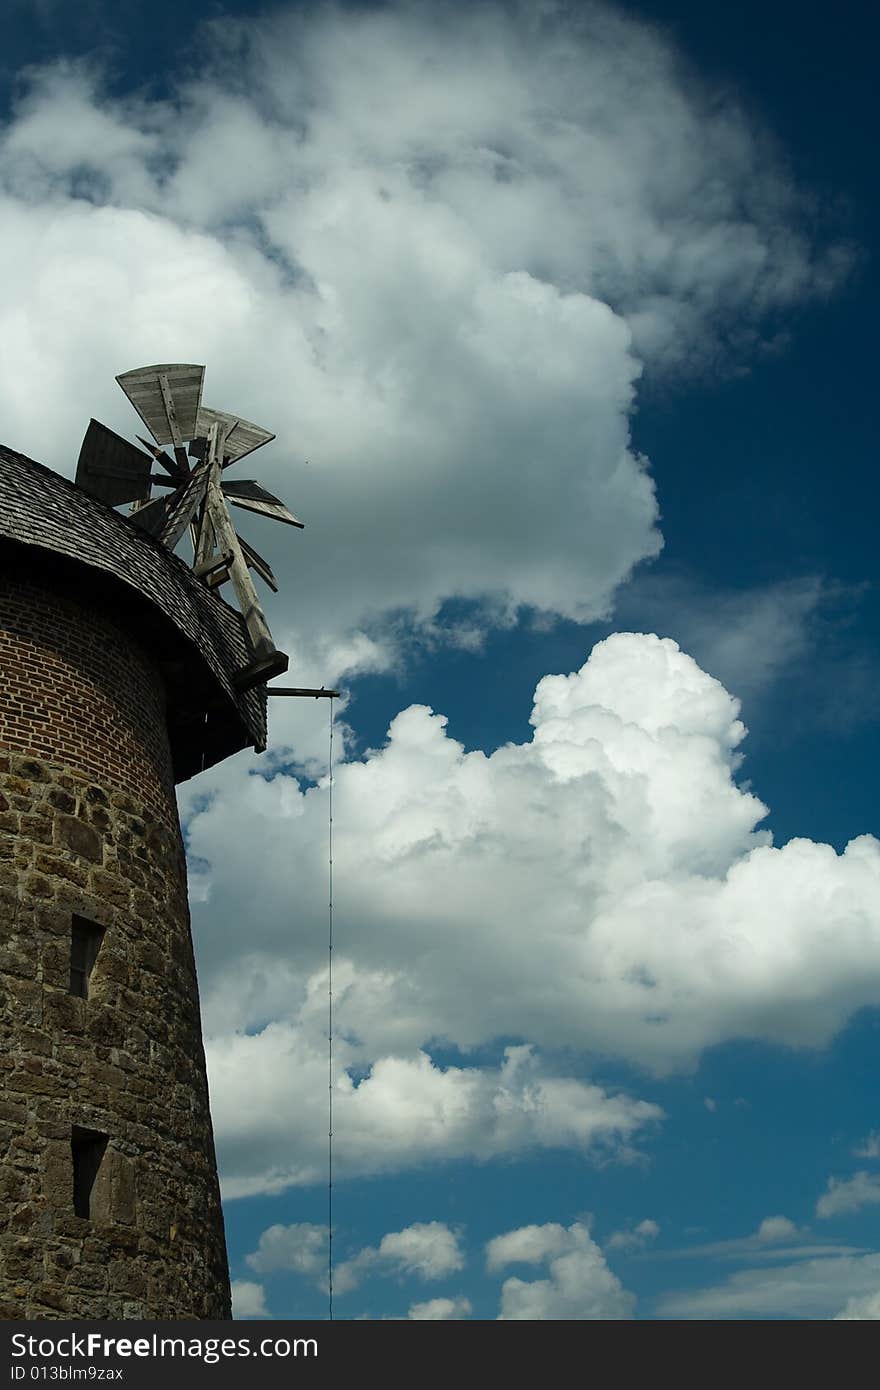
{"points": [[88, 1147], [85, 943]]}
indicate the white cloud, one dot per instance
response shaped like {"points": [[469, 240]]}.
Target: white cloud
{"points": [[437, 1309], [870, 1147], [425, 1250], [602, 888], [443, 251], [527, 1245], [579, 1284], [861, 1190], [775, 1229], [777, 1238], [268, 1100], [812, 1288], [301, 1248], [861, 1309], [637, 1238], [605, 882], [248, 1299], [429, 1250], [747, 638]]}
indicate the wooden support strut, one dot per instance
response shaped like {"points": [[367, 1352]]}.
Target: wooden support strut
{"points": [[301, 690], [267, 660]]}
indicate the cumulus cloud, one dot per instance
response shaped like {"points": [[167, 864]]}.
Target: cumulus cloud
{"points": [[445, 248], [579, 1284], [774, 1229], [635, 1239], [440, 1309], [864, 1309], [268, 1093], [606, 882], [301, 1248], [812, 1288], [248, 1299], [861, 1190], [425, 1250], [748, 638], [603, 886], [527, 1245]]}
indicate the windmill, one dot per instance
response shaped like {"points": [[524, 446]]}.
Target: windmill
{"points": [[204, 443]]}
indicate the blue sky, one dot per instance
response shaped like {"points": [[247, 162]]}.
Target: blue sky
{"points": [[471, 270]]}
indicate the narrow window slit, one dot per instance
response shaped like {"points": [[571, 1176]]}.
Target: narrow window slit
{"points": [[88, 1147], [85, 943]]}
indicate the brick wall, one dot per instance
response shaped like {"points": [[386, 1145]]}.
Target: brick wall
{"points": [[77, 690], [89, 828]]}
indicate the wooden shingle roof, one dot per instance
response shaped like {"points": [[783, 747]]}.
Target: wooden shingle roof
{"points": [[49, 524]]}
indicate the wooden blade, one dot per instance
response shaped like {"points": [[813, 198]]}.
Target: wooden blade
{"points": [[167, 398], [182, 507], [167, 462], [254, 498], [257, 563], [152, 517], [243, 436], [110, 468]]}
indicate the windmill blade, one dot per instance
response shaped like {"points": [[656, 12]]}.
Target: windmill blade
{"points": [[167, 398], [110, 468], [257, 563], [254, 498], [242, 438], [152, 517], [171, 465], [182, 508]]}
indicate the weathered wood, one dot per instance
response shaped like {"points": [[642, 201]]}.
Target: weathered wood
{"points": [[226, 539], [253, 497], [182, 507], [301, 690], [242, 436], [169, 464], [110, 468], [153, 517], [170, 412], [167, 397], [258, 564], [204, 542], [213, 563], [261, 669]]}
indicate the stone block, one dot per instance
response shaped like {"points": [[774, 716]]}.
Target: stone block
{"points": [[30, 769], [79, 838], [109, 888]]}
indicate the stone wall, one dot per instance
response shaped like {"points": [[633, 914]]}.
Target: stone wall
{"points": [[89, 831]]}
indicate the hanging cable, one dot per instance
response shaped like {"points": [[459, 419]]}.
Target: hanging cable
{"points": [[330, 1024]]}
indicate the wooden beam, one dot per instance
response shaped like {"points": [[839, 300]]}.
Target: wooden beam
{"points": [[183, 507], [301, 690], [214, 562], [225, 538]]}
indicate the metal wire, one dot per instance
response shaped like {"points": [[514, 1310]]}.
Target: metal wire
{"points": [[330, 1026]]}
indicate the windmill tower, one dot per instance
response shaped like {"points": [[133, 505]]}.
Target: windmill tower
{"points": [[122, 672]]}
